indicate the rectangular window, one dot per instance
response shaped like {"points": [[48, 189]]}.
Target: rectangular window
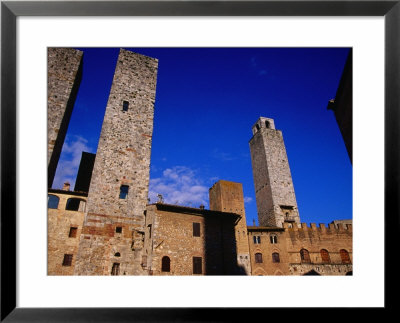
{"points": [[256, 239], [118, 229], [197, 266], [123, 191], [196, 229], [67, 260], [125, 106], [115, 269], [72, 232]]}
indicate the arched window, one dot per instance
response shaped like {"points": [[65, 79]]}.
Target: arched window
{"points": [[344, 255], [165, 264], [117, 254], [267, 123], [258, 257], [325, 256], [52, 201], [273, 238], [305, 256], [74, 204], [275, 257], [257, 126]]}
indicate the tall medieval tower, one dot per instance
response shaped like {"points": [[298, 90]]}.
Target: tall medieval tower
{"points": [[64, 66], [113, 231], [276, 201]]}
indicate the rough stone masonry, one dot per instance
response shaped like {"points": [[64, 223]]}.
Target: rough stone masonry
{"points": [[112, 235]]}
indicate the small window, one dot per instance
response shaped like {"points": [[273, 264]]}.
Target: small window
{"points": [[125, 106], [325, 256], [258, 258], [74, 204], [257, 126], [256, 239], [267, 123], [197, 265], [118, 229], [123, 191], [115, 269], [52, 201], [72, 232], [275, 257], [196, 229], [165, 264], [117, 254], [67, 260], [344, 255], [305, 256], [273, 238]]}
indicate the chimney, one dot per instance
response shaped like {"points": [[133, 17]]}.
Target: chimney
{"points": [[66, 186], [202, 206], [254, 222]]}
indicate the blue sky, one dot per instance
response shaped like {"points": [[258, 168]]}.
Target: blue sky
{"points": [[207, 100]]}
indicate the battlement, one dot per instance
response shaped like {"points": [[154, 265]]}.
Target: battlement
{"points": [[332, 227]]}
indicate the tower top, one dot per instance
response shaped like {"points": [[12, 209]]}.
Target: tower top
{"points": [[263, 123]]}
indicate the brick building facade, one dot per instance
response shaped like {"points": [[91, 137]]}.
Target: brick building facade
{"points": [[112, 230]]}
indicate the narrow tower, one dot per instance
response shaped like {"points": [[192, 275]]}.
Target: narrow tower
{"points": [[64, 73], [276, 201], [112, 237], [227, 196]]}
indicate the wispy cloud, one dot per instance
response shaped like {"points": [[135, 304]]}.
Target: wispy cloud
{"points": [[179, 185], [69, 162], [222, 156], [248, 199]]}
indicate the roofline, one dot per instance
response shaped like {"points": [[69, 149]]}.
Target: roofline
{"points": [[59, 191], [254, 228], [195, 211]]}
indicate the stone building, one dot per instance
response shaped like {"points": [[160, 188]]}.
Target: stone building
{"points": [[110, 229]]}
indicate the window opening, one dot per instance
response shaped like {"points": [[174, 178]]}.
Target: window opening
{"points": [[67, 260], [123, 191], [275, 257], [165, 264], [196, 229], [258, 258], [115, 269], [52, 201], [197, 266], [72, 232], [125, 106], [118, 229]]}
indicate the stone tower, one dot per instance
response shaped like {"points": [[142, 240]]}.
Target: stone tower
{"points": [[112, 234], [227, 196], [64, 66], [276, 201]]}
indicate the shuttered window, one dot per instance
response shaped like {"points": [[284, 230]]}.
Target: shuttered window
{"points": [[197, 266], [115, 269], [196, 229], [325, 256], [258, 258], [275, 257]]}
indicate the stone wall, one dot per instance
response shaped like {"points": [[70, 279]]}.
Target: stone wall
{"points": [[59, 224], [314, 239], [259, 239], [122, 160], [276, 200], [172, 235], [64, 73]]}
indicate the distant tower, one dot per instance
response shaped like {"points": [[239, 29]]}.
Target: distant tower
{"points": [[276, 201], [64, 66], [112, 236], [227, 196]]}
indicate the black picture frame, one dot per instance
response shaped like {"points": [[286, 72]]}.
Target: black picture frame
{"points": [[10, 10]]}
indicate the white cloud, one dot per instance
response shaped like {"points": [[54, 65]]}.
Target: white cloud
{"points": [[68, 164], [179, 185], [248, 199]]}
